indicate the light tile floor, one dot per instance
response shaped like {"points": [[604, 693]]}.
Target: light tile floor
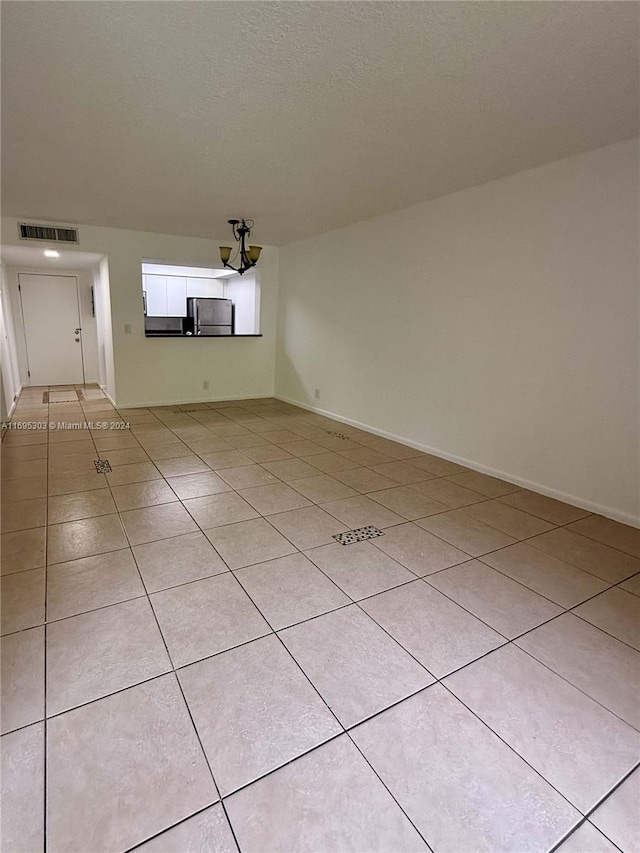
{"points": [[191, 662]]}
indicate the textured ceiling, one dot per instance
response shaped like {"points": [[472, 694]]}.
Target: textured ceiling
{"points": [[306, 116]]}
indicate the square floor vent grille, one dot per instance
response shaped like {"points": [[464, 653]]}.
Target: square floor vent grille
{"points": [[360, 534], [73, 395]]}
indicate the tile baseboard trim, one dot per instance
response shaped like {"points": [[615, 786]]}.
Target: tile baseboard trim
{"points": [[590, 506]]}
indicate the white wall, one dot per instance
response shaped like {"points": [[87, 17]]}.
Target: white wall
{"points": [[498, 325], [150, 371], [102, 296], [245, 292], [9, 373]]}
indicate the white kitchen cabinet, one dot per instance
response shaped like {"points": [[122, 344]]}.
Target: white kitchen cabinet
{"points": [[166, 295], [156, 289], [176, 296]]}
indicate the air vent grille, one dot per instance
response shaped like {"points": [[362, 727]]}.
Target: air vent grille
{"points": [[50, 233]]}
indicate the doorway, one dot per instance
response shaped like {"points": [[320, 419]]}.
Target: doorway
{"points": [[53, 331]]}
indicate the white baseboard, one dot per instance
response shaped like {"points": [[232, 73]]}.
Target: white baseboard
{"points": [[590, 506], [15, 402], [103, 388], [152, 403]]}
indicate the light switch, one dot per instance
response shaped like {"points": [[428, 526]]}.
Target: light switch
{"points": [[127, 328]]}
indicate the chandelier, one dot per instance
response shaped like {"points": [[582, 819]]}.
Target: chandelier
{"points": [[248, 256]]}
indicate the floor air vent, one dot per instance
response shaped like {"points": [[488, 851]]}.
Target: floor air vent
{"points": [[49, 233], [73, 395], [358, 535]]}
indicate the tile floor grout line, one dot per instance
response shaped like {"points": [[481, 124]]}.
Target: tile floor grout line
{"points": [[576, 687], [92, 609], [89, 702], [564, 678], [524, 586], [604, 631], [598, 541], [229, 824], [593, 809], [575, 565], [544, 554], [161, 832], [245, 786], [430, 847], [573, 830], [514, 751]]}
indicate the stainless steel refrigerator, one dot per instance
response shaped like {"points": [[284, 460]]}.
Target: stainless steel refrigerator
{"points": [[210, 316]]}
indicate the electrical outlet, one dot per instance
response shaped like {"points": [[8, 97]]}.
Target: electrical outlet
{"points": [[317, 394], [205, 385]]}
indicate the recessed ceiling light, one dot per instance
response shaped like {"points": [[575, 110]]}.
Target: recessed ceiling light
{"points": [[51, 253]]}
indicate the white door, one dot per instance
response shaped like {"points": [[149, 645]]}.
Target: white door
{"points": [[52, 329]]}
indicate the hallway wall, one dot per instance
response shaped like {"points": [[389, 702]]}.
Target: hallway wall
{"points": [[9, 375]]}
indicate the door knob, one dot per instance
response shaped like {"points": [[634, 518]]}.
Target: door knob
{"points": [[77, 340]]}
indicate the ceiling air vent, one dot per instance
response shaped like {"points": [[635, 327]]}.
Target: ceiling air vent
{"points": [[49, 233]]}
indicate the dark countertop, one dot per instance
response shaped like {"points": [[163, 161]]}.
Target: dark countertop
{"points": [[198, 337]]}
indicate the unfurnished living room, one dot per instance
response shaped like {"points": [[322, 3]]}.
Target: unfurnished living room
{"points": [[319, 336]]}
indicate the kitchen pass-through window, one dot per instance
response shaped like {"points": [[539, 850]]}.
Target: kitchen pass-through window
{"points": [[198, 301]]}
